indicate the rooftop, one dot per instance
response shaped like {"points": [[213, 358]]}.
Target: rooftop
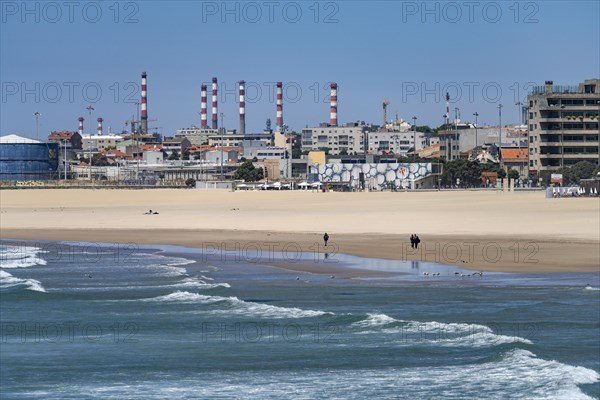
{"points": [[15, 139], [61, 135], [514, 153]]}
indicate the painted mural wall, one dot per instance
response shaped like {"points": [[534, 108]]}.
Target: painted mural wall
{"points": [[380, 174]]}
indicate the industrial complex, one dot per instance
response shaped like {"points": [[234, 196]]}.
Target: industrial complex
{"points": [[559, 128]]}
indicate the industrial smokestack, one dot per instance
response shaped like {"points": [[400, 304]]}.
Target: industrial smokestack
{"points": [[81, 119], [333, 118], [242, 107], [279, 121], [215, 117], [203, 110], [100, 126], [144, 105]]}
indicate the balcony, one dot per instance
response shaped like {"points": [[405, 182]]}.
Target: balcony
{"points": [[581, 155]]}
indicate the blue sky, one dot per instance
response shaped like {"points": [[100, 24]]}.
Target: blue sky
{"points": [[55, 58]]}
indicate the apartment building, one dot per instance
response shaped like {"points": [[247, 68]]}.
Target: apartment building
{"points": [[563, 125]]}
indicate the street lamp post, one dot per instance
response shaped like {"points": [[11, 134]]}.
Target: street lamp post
{"points": [[414, 134], [90, 109], [65, 157], [222, 140], [456, 117], [476, 114], [37, 124], [520, 120], [500, 133], [446, 116]]}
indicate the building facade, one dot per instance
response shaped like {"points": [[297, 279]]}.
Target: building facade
{"points": [[348, 139], [399, 143], [563, 125], [196, 136], [237, 140], [100, 142], [27, 159]]}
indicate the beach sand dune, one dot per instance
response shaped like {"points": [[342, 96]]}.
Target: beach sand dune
{"points": [[473, 229]]}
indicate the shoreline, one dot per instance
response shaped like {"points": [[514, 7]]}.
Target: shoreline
{"points": [[501, 254], [482, 231]]}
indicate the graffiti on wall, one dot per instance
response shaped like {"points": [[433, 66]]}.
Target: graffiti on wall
{"points": [[380, 174]]}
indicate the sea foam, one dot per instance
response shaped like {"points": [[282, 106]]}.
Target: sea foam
{"points": [[20, 256], [9, 281], [233, 305], [433, 333]]}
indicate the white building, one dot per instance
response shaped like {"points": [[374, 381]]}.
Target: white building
{"points": [[349, 138], [153, 157], [396, 142], [266, 153], [237, 140], [214, 156], [196, 136], [99, 142]]}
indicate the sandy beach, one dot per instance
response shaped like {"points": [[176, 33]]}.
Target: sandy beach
{"points": [[488, 231]]}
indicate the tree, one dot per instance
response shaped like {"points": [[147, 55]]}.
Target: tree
{"points": [[190, 182], [343, 152], [581, 170], [99, 160], [443, 128], [423, 128], [248, 172], [468, 172], [325, 149], [513, 174], [186, 156], [174, 155], [296, 153]]}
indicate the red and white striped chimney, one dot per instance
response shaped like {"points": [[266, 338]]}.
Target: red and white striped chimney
{"points": [[144, 104], [333, 117], [279, 120], [242, 107], [81, 119], [215, 117], [203, 109], [100, 126]]}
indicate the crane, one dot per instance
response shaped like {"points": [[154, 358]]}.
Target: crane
{"points": [[386, 103], [133, 121]]}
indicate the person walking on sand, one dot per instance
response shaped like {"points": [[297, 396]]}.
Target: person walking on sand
{"points": [[412, 241], [325, 238], [417, 241]]}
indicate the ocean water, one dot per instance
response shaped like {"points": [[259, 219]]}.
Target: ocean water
{"points": [[112, 321]]}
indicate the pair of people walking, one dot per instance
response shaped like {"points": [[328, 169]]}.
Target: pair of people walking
{"points": [[414, 241]]}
